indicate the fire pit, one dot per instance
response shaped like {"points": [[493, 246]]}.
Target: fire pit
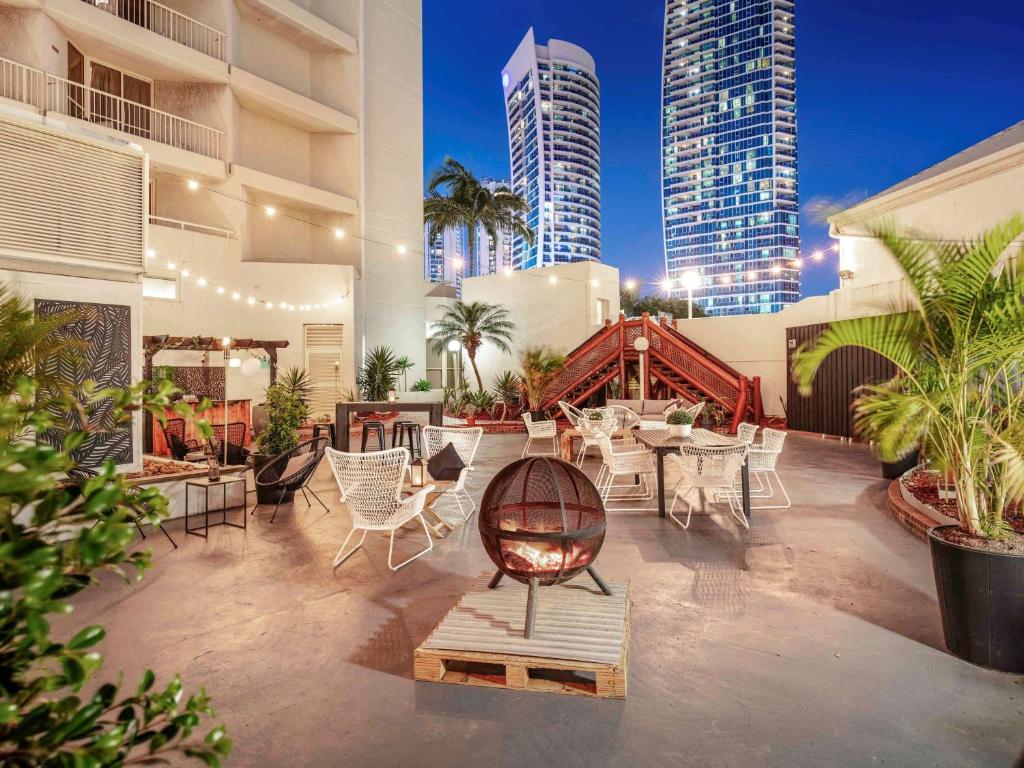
{"points": [[542, 522]]}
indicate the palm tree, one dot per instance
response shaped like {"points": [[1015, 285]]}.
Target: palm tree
{"points": [[959, 354], [467, 203], [508, 391], [540, 367], [472, 325], [402, 365]]}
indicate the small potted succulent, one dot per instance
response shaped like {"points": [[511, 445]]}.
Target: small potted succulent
{"points": [[680, 423]]}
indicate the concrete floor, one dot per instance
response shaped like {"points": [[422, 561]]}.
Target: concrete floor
{"points": [[812, 640]]}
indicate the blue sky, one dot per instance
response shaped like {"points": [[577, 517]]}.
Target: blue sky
{"points": [[885, 88]]}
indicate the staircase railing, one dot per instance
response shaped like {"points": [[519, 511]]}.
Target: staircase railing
{"points": [[584, 361], [718, 383]]}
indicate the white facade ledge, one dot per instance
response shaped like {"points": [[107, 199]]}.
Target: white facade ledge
{"points": [[292, 193], [264, 97], [309, 29]]}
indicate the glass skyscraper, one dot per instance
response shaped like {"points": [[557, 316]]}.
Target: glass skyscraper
{"points": [[552, 105], [728, 153]]}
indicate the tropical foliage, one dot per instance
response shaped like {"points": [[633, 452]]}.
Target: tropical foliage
{"points": [[508, 392], [540, 367], [422, 385], [379, 374], [286, 412], [959, 353], [633, 304], [473, 325], [479, 402], [467, 204], [54, 538], [453, 399], [402, 367], [295, 381], [679, 416]]}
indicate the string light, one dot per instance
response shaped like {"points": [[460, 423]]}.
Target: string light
{"points": [[171, 266], [271, 210], [185, 273], [339, 233], [193, 185], [250, 301], [220, 289], [201, 282], [553, 280], [631, 285], [150, 253], [402, 250]]}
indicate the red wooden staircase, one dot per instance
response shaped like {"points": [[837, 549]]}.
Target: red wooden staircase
{"points": [[671, 360]]}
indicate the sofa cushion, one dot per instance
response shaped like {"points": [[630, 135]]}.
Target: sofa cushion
{"points": [[654, 407]]}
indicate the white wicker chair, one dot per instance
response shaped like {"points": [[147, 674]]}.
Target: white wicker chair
{"points": [[746, 432], [625, 462], [626, 417], [762, 463], [465, 442], [540, 430], [695, 410], [708, 468], [572, 413], [590, 429], [371, 489]]}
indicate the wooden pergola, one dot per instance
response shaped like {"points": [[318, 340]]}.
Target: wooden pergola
{"points": [[153, 345]]}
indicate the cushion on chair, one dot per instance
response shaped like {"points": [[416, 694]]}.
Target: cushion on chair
{"points": [[446, 464], [297, 464], [672, 406]]}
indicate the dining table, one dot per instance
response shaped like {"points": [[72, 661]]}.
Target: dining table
{"points": [[662, 442]]}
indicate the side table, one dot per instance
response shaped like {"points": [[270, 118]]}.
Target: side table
{"points": [[206, 484]]}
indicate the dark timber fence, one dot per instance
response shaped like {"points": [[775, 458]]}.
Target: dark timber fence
{"points": [[828, 410]]}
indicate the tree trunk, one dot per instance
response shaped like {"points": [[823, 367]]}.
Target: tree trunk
{"points": [[472, 362], [470, 266]]}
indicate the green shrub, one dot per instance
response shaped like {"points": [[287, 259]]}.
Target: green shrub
{"points": [[679, 416], [422, 386], [286, 412]]}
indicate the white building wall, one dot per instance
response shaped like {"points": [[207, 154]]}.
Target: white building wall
{"points": [[560, 315]]}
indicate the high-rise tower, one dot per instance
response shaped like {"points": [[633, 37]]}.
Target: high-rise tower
{"points": [[728, 153], [552, 104]]}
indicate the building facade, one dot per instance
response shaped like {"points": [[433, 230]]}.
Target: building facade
{"points": [[729, 153], [553, 108], [447, 257], [220, 170]]}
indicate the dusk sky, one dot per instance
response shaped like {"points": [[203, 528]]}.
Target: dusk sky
{"points": [[885, 88]]}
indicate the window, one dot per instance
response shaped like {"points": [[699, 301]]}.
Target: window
{"points": [[165, 288], [602, 310], [323, 348]]}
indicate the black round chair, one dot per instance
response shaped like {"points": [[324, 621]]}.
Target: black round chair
{"points": [[174, 434], [291, 472]]}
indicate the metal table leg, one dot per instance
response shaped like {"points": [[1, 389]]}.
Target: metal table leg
{"points": [[745, 478], [661, 483]]}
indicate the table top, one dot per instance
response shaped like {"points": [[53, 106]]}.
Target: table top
{"points": [[663, 440], [385, 407], [224, 480], [440, 486]]}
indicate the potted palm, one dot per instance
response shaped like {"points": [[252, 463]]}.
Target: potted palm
{"points": [[540, 367], [958, 393], [680, 423], [477, 402], [378, 376], [286, 412], [508, 392]]}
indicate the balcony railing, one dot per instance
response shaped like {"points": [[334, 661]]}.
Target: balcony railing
{"points": [[50, 93], [168, 23]]}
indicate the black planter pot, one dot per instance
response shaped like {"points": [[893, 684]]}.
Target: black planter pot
{"points": [[893, 470], [266, 494], [981, 599], [539, 415]]}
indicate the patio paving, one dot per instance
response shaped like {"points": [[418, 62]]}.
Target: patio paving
{"points": [[811, 640]]}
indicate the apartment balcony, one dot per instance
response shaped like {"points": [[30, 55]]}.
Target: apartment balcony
{"points": [[168, 23], [172, 45], [152, 128]]}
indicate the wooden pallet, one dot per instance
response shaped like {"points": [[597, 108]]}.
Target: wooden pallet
{"points": [[478, 661]]}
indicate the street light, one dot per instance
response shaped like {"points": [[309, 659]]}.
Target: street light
{"points": [[690, 280]]}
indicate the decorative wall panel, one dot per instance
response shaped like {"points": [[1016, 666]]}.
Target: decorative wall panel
{"points": [[106, 358], [200, 380]]}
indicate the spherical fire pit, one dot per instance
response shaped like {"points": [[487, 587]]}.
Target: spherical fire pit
{"points": [[542, 522]]}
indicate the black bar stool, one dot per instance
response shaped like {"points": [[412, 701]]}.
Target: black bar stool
{"points": [[396, 432], [411, 431], [377, 428]]}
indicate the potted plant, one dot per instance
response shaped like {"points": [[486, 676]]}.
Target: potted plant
{"points": [[476, 402], [714, 416], [540, 369], [680, 423], [422, 385], [958, 350], [508, 392], [285, 414], [378, 375]]}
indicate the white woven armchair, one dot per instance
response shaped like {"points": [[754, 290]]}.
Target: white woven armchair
{"points": [[627, 418], [572, 413], [540, 430], [371, 489], [708, 468], [629, 462], [465, 442], [746, 433], [762, 463], [590, 428]]}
